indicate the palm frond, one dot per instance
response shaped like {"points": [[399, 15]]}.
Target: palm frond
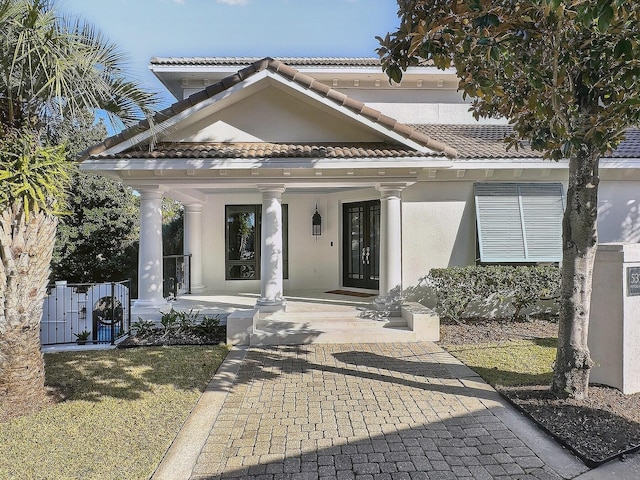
{"points": [[52, 66]]}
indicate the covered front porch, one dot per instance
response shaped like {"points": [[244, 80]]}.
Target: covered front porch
{"points": [[312, 316], [258, 238], [257, 158]]}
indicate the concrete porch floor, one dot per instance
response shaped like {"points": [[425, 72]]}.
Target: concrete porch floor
{"points": [[311, 317], [297, 301]]}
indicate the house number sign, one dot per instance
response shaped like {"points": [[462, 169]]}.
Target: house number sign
{"points": [[633, 281]]}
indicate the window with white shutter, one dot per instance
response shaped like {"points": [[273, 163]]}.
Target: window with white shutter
{"points": [[519, 222]]}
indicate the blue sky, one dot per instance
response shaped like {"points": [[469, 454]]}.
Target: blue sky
{"points": [[163, 28]]}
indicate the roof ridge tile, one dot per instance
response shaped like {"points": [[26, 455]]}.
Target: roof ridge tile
{"points": [[336, 96], [353, 104], [320, 87], [214, 89], [284, 69], [371, 113]]}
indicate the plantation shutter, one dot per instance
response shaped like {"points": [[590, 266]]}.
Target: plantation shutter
{"points": [[519, 222]]}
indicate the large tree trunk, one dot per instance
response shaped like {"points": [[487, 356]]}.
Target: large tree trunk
{"points": [[26, 247], [580, 238]]}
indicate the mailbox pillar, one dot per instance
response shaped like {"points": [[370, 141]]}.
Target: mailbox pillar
{"points": [[614, 323]]}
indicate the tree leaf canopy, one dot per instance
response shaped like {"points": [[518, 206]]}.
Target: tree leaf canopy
{"points": [[566, 73]]}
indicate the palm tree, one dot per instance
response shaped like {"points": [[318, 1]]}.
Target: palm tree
{"points": [[52, 68], [33, 179]]}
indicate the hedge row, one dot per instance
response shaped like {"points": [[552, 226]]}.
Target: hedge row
{"points": [[458, 287]]}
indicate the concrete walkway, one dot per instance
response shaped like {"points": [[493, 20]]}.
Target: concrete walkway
{"points": [[357, 411]]}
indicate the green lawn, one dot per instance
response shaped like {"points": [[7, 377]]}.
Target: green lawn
{"points": [[121, 410], [518, 362]]}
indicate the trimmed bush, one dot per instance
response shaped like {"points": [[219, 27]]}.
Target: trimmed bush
{"points": [[522, 286]]}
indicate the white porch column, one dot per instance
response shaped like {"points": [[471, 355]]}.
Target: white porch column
{"points": [[193, 243], [390, 247], [150, 255], [271, 262]]}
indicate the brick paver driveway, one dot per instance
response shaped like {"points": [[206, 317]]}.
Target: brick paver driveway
{"points": [[362, 411]]}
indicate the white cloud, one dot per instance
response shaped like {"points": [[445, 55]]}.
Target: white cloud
{"points": [[234, 2]]}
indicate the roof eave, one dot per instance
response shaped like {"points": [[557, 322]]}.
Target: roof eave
{"points": [[177, 163]]}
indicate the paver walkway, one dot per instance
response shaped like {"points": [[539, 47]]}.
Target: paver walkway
{"points": [[369, 411]]}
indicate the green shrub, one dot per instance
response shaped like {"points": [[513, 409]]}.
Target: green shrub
{"points": [[169, 322], [143, 328], [455, 288], [209, 328], [522, 286], [176, 325], [525, 286], [175, 322]]}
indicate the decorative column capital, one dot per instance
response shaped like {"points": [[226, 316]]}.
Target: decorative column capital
{"points": [[390, 190], [193, 208], [151, 192], [271, 190]]}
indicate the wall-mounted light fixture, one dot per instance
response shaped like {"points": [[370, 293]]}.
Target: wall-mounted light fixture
{"points": [[316, 224]]}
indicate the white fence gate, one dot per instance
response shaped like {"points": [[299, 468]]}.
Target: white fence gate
{"points": [[101, 309]]}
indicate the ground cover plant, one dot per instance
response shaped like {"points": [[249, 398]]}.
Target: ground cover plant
{"points": [[517, 359], [113, 413], [177, 328]]}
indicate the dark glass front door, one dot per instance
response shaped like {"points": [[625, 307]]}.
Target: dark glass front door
{"points": [[361, 247]]}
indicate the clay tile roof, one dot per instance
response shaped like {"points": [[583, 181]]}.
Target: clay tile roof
{"points": [[487, 141], [630, 146], [293, 75], [291, 61], [257, 150], [478, 141]]}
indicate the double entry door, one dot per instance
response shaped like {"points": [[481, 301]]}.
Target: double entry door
{"points": [[361, 244]]}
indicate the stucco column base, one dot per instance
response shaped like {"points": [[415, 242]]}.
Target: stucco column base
{"points": [[146, 312], [154, 303], [269, 306], [198, 288]]}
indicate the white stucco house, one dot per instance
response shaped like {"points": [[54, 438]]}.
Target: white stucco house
{"points": [[402, 177]]}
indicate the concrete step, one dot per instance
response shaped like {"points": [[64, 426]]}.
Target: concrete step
{"points": [[331, 317], [318, 327]]}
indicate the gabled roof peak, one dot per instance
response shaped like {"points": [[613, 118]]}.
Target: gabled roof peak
{"points": [[291, 74]]}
